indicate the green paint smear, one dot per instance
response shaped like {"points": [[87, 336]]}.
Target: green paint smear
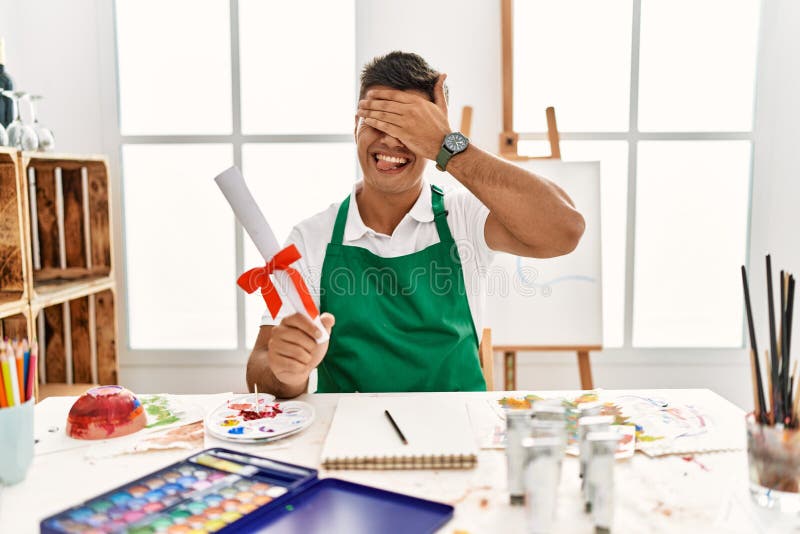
{"points": [[157, 406]]}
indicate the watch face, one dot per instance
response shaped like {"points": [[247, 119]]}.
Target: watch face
{"points": [[455, 142]]}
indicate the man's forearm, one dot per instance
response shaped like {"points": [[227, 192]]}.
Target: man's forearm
{"points": [[533, 209], [258, 372]]}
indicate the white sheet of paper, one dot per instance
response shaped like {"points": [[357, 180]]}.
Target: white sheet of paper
{"points": [[232, 184]]}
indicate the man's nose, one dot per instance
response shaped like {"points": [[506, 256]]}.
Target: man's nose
{"points": [[390, 141]]}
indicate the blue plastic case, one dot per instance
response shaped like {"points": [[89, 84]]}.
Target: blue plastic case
{"points": [[229, 491]]}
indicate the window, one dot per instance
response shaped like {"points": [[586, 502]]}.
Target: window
{"points": [[225, 93], [662, 93]]}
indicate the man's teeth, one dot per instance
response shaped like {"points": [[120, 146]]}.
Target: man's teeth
{"points": [[390, 159]]}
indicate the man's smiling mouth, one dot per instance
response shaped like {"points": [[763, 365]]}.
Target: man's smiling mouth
{"points": [[388, 163]]}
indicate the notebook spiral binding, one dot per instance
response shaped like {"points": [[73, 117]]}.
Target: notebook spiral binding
{"points": [[446, 461]]}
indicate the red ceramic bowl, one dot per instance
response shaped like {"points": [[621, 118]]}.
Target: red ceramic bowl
{"points": [[105, 412]]}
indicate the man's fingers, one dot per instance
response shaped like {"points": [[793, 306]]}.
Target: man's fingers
{"points": [[303, 323], [390, 118], [289, 350], [438, 92], [328, 320], [383, 105], [392, 94], [299, 338], [383, 126]]}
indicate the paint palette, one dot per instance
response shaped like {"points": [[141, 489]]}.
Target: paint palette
{"points": [[219, 490], [244, 421], [204, 493]]}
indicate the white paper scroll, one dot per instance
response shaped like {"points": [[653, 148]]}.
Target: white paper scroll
{"points": [[232, 184]]}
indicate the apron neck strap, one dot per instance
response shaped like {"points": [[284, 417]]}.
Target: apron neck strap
{"points": [[439, 217], [440, 214], [341, 221]]}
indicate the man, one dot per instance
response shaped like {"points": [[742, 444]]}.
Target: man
{"points": [[405, 298]]}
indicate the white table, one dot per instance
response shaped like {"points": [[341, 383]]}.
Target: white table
{"points": [[667, 494]]}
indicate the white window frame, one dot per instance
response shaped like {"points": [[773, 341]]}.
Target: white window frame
{"points": [[156, 357], [632, 137]]}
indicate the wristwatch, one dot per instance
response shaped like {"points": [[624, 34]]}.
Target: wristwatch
{"points": [[454, 143]]}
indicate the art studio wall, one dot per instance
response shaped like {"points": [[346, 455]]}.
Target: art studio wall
{"points": [[68, 55]]}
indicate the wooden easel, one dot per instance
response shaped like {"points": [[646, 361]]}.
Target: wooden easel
{"points": [[509, 139], [509, 150]]}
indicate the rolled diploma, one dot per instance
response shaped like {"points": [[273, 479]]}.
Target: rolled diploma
{"points": [[232, 184]]}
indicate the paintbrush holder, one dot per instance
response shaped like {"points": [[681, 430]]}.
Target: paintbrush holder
{"points": [[773, 455]]}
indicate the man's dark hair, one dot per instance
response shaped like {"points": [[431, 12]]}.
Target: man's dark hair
{"points": [[399, 70]]}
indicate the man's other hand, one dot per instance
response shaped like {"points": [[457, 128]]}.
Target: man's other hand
{"points": [[293, 351]]}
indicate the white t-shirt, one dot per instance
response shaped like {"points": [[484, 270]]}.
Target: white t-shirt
{"points": [[416, 231]]}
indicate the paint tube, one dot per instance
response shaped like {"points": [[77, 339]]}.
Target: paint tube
{"points": [[518, 427], [549, 410], [600, 479], [587, 409], [595, 423], [541, 482], [556, 429]]}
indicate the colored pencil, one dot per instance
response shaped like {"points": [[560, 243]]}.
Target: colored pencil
{"points": [[3, 398], [7, 379], [32, 374], [758, 391], [12, 368], [20, 361]]}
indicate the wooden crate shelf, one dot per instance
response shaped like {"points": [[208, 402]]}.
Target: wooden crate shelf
{"points": [[56, 270], [77, 339], [13, 289], [52, 293], [69, 219], [16, 325]]}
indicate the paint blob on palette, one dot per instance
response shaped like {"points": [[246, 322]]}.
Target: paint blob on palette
{"points": [[242, 420], [203, 494]]}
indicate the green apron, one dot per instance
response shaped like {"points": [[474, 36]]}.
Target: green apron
{"points": [[402, 324]]}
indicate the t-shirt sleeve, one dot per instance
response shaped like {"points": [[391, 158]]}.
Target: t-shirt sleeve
{"points": [[295, 238], [468, 224]]}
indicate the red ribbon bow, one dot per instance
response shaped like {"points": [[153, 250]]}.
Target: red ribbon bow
{"points": [[259, 278]]}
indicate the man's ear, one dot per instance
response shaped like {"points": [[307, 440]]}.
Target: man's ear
{"points": [[355, 129]]}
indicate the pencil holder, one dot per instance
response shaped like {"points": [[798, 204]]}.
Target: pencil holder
{"points": [[773, 455], [16, 442]]}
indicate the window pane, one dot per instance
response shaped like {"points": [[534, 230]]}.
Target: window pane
{"points": [[289, 192], [180, 255], [297, 66], [174, 66], [574, 55], [613, 158], [697, 65], [691, 232]]}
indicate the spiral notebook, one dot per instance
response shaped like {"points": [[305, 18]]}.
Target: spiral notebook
{"points": [[438, 432]]}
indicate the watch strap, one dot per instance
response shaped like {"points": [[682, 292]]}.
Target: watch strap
{"points": [[443, 157]]}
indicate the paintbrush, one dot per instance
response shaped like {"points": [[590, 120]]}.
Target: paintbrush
{"points": [[758, 390], [777, 402], [770, 414], [784, 357]]}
